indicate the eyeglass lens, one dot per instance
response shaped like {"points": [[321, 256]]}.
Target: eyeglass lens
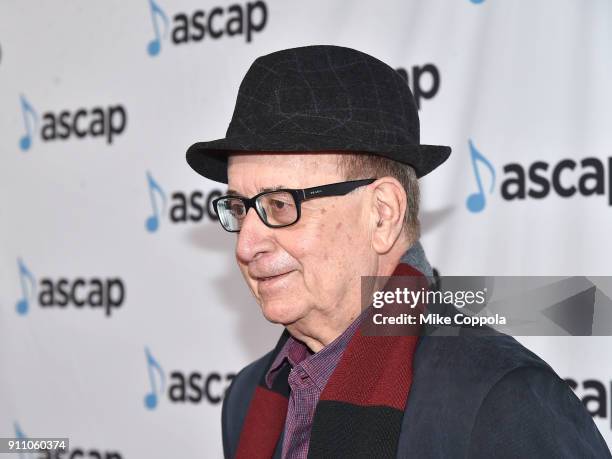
{"points": [[276, 208]]}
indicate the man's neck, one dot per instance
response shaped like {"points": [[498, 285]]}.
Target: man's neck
{"points": [[324, 327]]}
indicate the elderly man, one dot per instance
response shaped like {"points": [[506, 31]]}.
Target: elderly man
{"points": [[321, 159]]}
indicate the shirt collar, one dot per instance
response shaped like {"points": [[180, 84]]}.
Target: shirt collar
{"points": [[320, 365]]}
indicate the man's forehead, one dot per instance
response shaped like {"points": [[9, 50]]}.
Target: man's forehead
{"points": [[256, 172], [258, 190]]}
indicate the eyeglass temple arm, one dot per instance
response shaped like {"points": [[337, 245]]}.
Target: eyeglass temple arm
{"points": [[335, 189]]}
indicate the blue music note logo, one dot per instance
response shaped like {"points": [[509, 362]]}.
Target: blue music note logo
{"points": [[23, 305], [18, 432], [150, 399], [152, 222], [476, 201], [30, 123], [154, 46], [19, 435]]}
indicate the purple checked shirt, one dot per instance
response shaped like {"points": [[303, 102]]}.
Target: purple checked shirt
{"points": [[307, 379]]}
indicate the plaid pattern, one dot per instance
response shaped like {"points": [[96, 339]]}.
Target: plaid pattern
{"points": [[321, 98]]}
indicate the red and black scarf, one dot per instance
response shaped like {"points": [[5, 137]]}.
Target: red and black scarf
{"points": [[360, 410]]}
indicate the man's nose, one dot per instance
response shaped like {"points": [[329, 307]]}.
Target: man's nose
{"points": [[254, 238]]}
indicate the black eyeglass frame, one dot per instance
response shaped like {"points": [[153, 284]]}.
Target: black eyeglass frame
{"points": [[299, 195]]}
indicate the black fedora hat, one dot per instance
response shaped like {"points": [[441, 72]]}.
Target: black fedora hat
{"points": [[321, 98]]}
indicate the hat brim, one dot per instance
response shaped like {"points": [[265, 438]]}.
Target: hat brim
{"points": [[209, 159]]}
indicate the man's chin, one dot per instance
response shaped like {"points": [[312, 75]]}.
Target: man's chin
{"points": [[281, 312]]}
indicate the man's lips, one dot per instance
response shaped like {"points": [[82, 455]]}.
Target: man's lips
{"points": [[271, 277], [272, 284]]}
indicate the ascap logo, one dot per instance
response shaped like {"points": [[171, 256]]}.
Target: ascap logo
{"points": [[417, 81], [182, 387], [595, 396], [65, 453], [106, 122], [179, 207], [106, 294], [565, 178], [218, 22]]}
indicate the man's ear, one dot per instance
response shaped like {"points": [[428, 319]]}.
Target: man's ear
{"points": [[388, 207]]}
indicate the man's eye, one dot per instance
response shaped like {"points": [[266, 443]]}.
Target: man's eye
{"points": [[237, 210], [278, 204]]}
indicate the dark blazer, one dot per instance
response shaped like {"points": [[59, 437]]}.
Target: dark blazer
{"points": [[471, 397]]}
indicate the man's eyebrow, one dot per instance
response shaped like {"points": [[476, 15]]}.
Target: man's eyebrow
{"points": [[260, 190]]}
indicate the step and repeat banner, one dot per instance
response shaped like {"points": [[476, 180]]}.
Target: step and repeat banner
{"points": [[123, 317]]}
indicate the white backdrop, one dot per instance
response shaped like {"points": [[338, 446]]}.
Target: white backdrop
{"points": [[122, 314]]}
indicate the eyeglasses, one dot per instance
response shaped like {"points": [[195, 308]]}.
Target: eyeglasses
{"points": [[277, 208]]}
